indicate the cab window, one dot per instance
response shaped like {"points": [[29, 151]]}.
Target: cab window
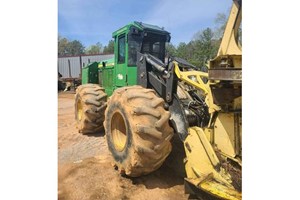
{"points": [[121, 49]]}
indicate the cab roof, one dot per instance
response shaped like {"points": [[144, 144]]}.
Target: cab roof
{"points": [[141, 26]]}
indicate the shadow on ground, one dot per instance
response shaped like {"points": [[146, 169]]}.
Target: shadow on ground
{"points": [[170, 174]]}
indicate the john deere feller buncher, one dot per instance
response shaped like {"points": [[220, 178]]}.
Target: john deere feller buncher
{"points": [[150, 99]]}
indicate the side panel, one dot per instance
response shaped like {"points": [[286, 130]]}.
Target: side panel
{"points": [[85, 75], [107, 80], [90, 73], [121, 60], [131, 75], [106, 75]]}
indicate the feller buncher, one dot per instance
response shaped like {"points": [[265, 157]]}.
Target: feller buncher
{"points": [[141, 99]]}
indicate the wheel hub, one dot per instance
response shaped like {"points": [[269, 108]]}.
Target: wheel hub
{"points": [[79, 110], [119, 132]]}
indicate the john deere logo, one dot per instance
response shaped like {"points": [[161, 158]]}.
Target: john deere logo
{"points": [[120, 76]]}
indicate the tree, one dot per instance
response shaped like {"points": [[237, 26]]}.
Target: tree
{"points": [[220, 22], [109, 48], [62, 46], [69, 48], [206, 47], [202, 48], [170, 49], [75, 48], [181, 50], [94, 49], [100, 46]]}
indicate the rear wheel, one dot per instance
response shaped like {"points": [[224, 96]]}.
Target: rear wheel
{"points": [[90, 105], [137, 130]]}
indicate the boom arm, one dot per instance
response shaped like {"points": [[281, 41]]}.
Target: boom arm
{"points": [[229, 44]]}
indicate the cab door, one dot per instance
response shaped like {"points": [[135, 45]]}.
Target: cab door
{"points": [[121, 61]]}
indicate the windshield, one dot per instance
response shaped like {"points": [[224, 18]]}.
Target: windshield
{"points": [[151, 43], [134, 45], [154, 44]]}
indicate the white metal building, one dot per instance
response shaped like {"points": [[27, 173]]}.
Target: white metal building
{"points": [[69, 66]]}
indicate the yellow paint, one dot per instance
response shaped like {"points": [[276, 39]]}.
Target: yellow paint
{"points": [[224, 133], [188, 75], [220, 190], [107, 65], [230, 49], [201, 163], [194, 78], [79, 110], [229, 44], [118, 131], [209, 133]]}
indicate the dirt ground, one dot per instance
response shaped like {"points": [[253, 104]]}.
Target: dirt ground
{"points": [[85, 169]]}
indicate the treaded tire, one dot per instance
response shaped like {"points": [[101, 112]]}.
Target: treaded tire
{"points": [[137, 130], [90, 105]]}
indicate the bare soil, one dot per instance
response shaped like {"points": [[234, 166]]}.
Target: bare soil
{"points": [[85, 166]]}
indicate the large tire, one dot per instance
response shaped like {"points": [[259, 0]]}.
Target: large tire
{"points": [[90, 105], [137, 130]]}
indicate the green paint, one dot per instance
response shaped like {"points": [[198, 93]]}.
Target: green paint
{"points": [[90, 73], [121, 70], [132, 75], [107, 80]]}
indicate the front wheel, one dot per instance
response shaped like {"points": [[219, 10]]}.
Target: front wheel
{"points": [[90, 105], [137, 130]]}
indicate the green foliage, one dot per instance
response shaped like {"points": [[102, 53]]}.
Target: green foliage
{"points": [[220, 21], [182, 50], [62, 46], [109, 48], [69, 48], [205, 48], [198, 51], [204, 44], [170, 49], [75, 48], [94, 49]]}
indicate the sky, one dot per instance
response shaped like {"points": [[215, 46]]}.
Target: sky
{"points": [[92, 21]]}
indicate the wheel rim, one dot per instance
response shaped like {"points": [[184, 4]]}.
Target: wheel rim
{"points": [[79, 110], [118, 131]]}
